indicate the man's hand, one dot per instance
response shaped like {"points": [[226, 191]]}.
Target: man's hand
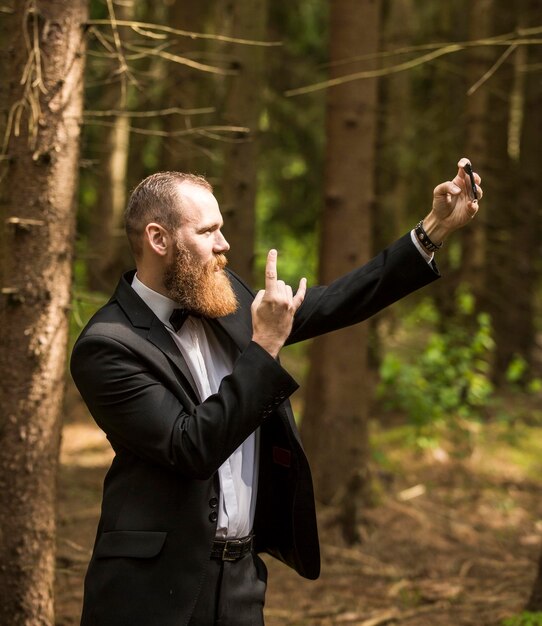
{"points": [[274, 307], [452, 205]]}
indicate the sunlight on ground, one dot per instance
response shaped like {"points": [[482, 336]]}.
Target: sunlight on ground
{"points": [[84, 445]]}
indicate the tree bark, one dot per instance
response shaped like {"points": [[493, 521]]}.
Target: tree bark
{"points": [[43, 43], [335, 422], [108, 253], [184, 88], [479, 60], [395, 108], [243, 107], [501, 277], [528, 218]]}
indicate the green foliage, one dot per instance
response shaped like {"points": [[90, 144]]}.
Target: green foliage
{"points": [[527, 618], [445, 382], [516, 369], [292, 142], [84, 303]]}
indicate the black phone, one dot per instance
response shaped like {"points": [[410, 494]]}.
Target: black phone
{"points": [[468, 169]]}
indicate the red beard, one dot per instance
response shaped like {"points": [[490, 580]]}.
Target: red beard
{"points": [[204, 289]]}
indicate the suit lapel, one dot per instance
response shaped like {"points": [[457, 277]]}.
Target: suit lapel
{"points": [[160, 337], [234, 328], [142, 317], [238, 326]]}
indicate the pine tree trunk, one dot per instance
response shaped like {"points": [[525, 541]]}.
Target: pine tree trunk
{"points": [[184, 88], [530, 185], [335, 422], [473, 238], [499, 183], [39, 180], [395, 108], [528, 217], [108, 251], [243, 107]]}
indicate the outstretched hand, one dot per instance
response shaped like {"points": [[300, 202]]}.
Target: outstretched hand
{"points": [[274, 308], [453, 204]]}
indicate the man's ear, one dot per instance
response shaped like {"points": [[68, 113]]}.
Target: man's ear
{"points": [[157, 238]]}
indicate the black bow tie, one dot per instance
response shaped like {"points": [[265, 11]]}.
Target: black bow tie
{"points": [[178, 318]]}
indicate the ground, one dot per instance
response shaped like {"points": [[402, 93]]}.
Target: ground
{"points": [[449, 541]]}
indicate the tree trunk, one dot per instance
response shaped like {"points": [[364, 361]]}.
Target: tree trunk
{"points": [[243, 107], [528, 217], [107, 248], [501, 277], [479, 60], [390, 217], [442, 141], [395, 108], [43, 42], [335, 421], [183, 88]]}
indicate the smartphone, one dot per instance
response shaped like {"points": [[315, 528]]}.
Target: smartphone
{"points": [[468, 169]]}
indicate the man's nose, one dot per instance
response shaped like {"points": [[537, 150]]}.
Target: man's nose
{"points": [[221, 244]]}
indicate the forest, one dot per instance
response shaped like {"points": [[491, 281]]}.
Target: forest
{"points": [[324, 127]]}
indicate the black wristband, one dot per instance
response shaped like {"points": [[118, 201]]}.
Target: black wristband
{"points": [[424, 239]]}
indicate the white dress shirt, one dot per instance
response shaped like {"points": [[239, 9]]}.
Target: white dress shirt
{"points": [[209, 361]]}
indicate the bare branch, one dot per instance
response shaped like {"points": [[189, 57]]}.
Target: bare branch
{"points": [[144, 26], [24, 221], [214, 136], [492, 69], [32, 82], [139, 114], [148, 33], [497, 40], [401, 67], [533, 30], [175, 58], [502, 40], [179, 133], [124, 70], [102, 39], [407, 65]]}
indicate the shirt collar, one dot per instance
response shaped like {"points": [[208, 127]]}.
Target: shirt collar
{"points": [[160, 305]]}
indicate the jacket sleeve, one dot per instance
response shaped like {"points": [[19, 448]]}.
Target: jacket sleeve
{"points": [[138, 412], [394, 273]]}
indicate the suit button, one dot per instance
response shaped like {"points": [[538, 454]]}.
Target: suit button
{"points": [[213, 503], [213, 516]]}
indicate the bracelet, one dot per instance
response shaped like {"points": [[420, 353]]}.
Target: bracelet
{"points": [[424, 239]]}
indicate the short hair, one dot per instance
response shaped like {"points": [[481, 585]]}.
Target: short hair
{"points": [[157, 199]]}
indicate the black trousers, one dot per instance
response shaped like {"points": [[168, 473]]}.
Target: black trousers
{"points": [[233, 593]]}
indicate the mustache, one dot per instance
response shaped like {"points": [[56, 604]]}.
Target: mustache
{"points": [[220, 261]]}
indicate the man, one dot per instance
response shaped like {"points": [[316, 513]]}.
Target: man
{"points": [[179, 369]]}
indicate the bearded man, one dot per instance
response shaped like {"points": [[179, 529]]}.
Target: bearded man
{"points": [[180, 370]]}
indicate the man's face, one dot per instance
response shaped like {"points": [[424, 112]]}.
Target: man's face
{"points": [[194, 276]]}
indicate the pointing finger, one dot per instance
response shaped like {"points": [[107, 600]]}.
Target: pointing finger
{"points": [[271, 272]]}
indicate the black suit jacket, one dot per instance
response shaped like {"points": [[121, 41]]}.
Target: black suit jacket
{"points": [[160, 495]]}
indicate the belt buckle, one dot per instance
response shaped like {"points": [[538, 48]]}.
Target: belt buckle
{"points": [[225, 553]]}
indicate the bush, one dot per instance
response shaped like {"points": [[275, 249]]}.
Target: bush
{"points": [[524, 619], [446, 382]]}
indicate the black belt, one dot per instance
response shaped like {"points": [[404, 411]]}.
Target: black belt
{"points": [[231, 549]]}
